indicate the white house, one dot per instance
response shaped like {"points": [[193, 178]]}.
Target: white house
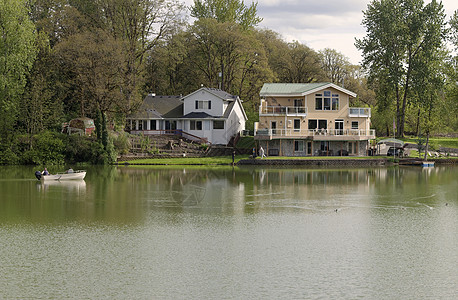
{"points": [[209, 114]]}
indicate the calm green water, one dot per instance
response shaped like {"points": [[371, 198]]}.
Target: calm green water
{"points": [[219, 233]]}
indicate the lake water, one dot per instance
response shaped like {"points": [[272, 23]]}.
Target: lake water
{"points": [[223, 233]]}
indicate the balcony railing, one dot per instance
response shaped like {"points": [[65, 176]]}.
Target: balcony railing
{"points": [[315, 132], [363, 112], [282, 110]]}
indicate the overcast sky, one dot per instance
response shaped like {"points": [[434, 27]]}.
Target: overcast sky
{"points": [[321, 24]]}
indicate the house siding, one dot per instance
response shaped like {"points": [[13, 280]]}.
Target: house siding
{"points": [[286, 118]]}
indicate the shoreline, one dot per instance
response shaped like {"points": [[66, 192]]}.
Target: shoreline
{"points": [[347, 162]]}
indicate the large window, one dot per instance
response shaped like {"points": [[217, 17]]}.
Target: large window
{"points": [[203, 104], [196, 125], [322, 124], [326, 101], [298, 146], [318, 124], [152, 125], [218, 124]]}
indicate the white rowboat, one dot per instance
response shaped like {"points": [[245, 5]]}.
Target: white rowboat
{"points": [[75, 175]]}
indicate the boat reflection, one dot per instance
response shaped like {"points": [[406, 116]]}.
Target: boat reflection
{"points": [[68, 185]]}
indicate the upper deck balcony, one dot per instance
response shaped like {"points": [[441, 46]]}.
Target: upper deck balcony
{"points": [[359, 112], [265, 110], [316, 134]]}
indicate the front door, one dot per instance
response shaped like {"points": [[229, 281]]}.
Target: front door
{"points": [[339, 127], [273, 126]]}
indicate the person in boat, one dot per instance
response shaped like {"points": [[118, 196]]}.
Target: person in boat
{"points": [[45, 172]]}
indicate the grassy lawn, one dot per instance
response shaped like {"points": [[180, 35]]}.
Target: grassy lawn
{"points": [[435, 142], [246, 142]]}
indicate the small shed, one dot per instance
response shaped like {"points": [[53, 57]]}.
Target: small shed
{"points": [[83, 126]]}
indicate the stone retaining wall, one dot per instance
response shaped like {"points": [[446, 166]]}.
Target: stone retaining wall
{"points": [[333, 162], [315, 162]]}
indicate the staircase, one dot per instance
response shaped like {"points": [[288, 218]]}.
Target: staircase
{"points": [[162, 146]]}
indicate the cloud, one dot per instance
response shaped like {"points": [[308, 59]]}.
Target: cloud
{"points": [[320, 24]]}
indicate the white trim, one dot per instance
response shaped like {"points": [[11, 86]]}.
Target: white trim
{"points": [[208, 90]]}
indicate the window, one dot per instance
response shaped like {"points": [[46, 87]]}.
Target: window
{"points": [[351, 147], [335, 101], [203, 104], [354, 125], [152, 124], [298, 103], [324, 146], [140, 125], [218, 124], [326, 101], [196, 125], [313, 124], [318, 102], [298, 146], [309, 147], [318, 124], [323, 124], [297, 125]]}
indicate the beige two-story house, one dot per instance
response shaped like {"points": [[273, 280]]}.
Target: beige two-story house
{"points": [[311, 119]]}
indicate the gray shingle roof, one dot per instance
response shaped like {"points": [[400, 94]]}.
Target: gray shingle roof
{"points": [[220, 93], [159, 107], [197, 115]]}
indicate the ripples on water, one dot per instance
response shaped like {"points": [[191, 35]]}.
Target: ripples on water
{"points": [[221, 234]]}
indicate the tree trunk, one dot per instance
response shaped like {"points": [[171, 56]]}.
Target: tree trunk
{"points": [[426, 146], [417, 129], [398, 120]]}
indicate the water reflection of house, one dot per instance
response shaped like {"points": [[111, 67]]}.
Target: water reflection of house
{"points": [[305, 119]]}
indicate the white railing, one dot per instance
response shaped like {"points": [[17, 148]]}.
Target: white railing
{"points": [[314, 132], [359, 112], [282, 110]]}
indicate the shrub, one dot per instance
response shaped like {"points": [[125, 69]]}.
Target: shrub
{"points": [[46, 148], [7, 156], [121, 143]]}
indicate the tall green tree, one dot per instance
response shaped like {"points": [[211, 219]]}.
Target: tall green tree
{"points": [[398, 33], [335, 65], [17, 53], [300, 64], [234, 11], [97, 64]]}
